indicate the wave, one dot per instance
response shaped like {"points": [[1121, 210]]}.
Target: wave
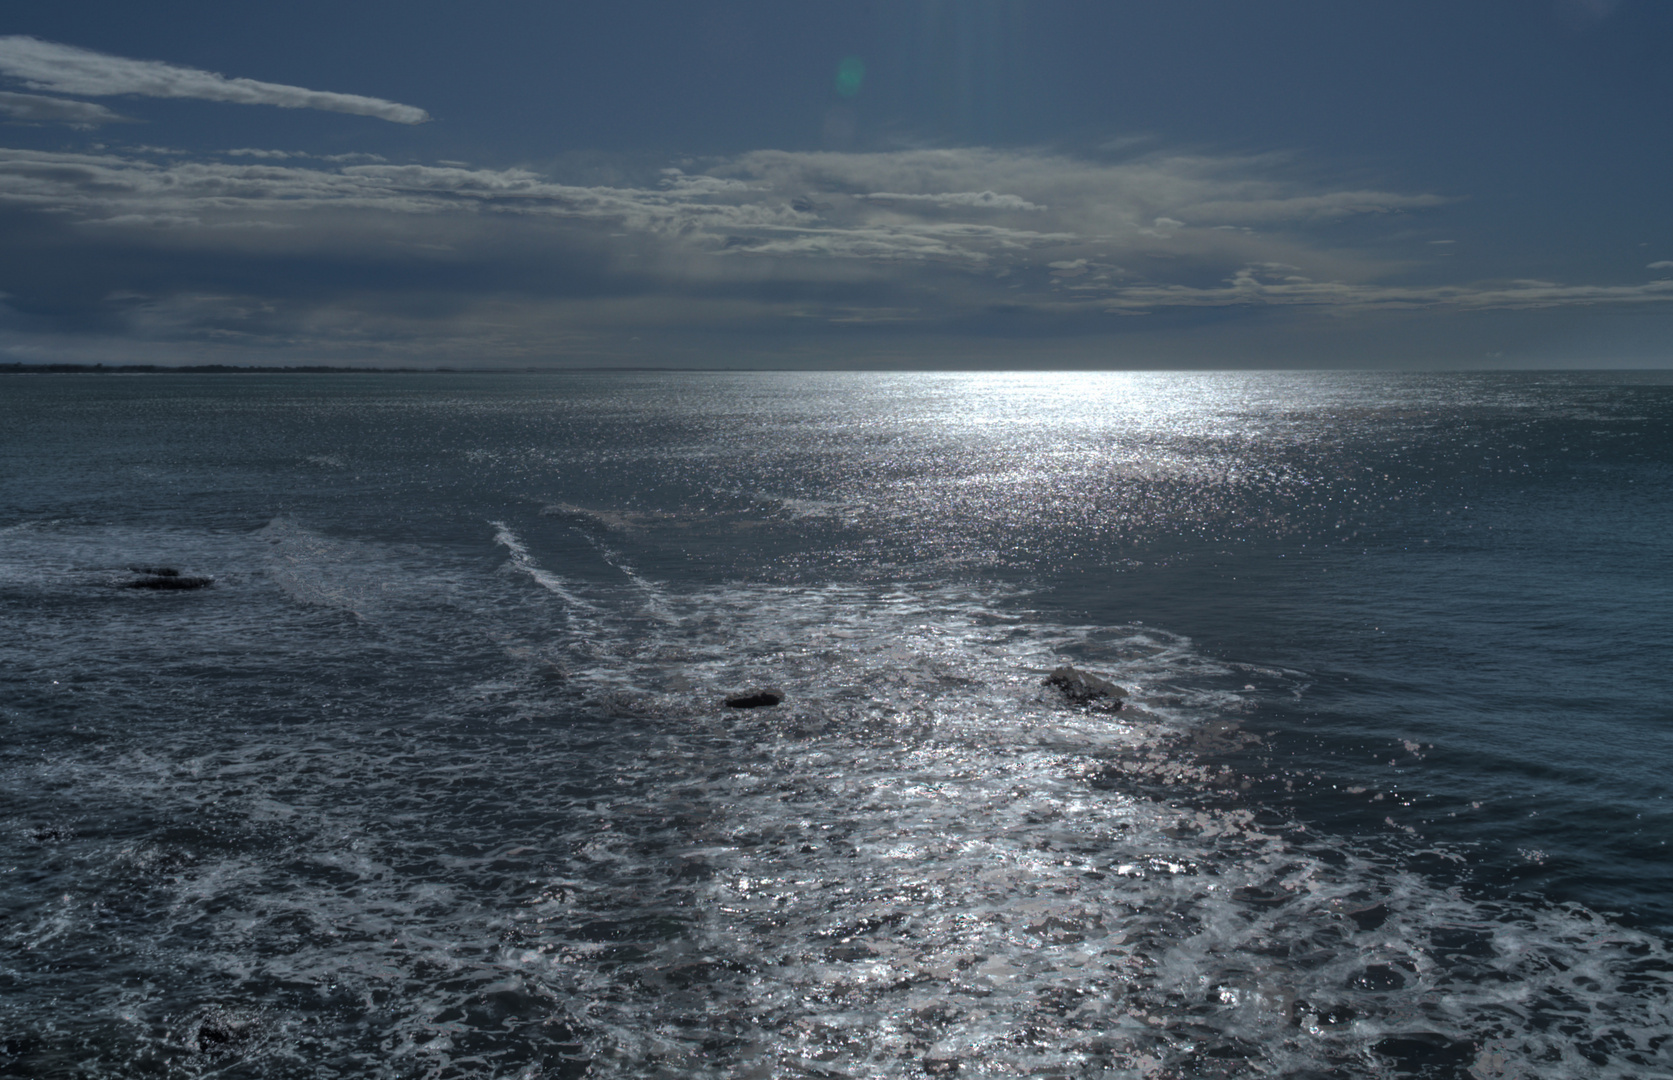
{"points": [[924, 861], [524, 563]]}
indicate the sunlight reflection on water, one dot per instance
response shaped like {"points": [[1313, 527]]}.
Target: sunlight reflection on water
{"points": [[437, 777]]}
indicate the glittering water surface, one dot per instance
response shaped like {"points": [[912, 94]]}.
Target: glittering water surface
{"points": [[437, 779]]}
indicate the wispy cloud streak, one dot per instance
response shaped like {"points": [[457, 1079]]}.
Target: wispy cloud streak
{"points": [[1262, 286], [38, 109], [66, 69]]}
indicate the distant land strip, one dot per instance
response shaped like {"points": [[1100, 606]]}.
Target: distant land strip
{"points": [[308, 369], [129, 369]]}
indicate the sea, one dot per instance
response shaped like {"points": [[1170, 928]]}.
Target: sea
{"points": [[376, 725]]}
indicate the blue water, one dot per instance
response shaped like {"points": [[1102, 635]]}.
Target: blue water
{"points": [[437, 778]]}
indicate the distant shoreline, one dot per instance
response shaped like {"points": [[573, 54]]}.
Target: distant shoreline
{"points": [[329, 369], [308, 369]]}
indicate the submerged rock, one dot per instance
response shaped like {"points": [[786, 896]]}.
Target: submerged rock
{"points": [[755, 699], [1084, 688], [50, 834], [218, 1032], [168, 578]]}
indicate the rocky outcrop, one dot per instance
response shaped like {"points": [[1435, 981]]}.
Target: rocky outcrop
{"points": [[761, 698], [217, 1032], [1084, 688]]}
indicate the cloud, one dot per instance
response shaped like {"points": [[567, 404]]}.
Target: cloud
{"points": [[1058, 237], [1267, 286], [783, 205], [1102, 196], [36, 109], [1664, 264], [299, 155], [985, 200], [343, 257], [1322, 207], [65, 69]]}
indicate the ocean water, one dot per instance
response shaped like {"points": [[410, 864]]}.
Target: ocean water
{"points": [[437, 778]]}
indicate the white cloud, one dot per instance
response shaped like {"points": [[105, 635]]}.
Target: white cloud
{"points": [[1092, 196], [1126, 238], [705, 213], [799, 209], [300, 155], [1308, 207], [984, 200], [1264, 285], [36, 109], [1162, 228], [65, 69], [1664, 264]]}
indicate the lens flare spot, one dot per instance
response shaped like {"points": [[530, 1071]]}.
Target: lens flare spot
{"points": [[850, 74]]}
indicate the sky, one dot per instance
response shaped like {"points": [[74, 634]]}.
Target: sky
{"points": [[887, 184]]}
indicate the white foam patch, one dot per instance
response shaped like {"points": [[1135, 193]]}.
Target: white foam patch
{"points": [[522, 561], [806, 509], [319, 571]]}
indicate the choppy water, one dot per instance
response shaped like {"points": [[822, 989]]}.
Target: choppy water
{"points": [[436, 780]]}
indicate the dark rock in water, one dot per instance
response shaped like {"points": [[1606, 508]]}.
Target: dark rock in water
{"points": [[755, 699], [941, 1066], [50, 834], [14, 1049], [155, 571], [170, 580], [217, 1032], [1085, 688]]}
